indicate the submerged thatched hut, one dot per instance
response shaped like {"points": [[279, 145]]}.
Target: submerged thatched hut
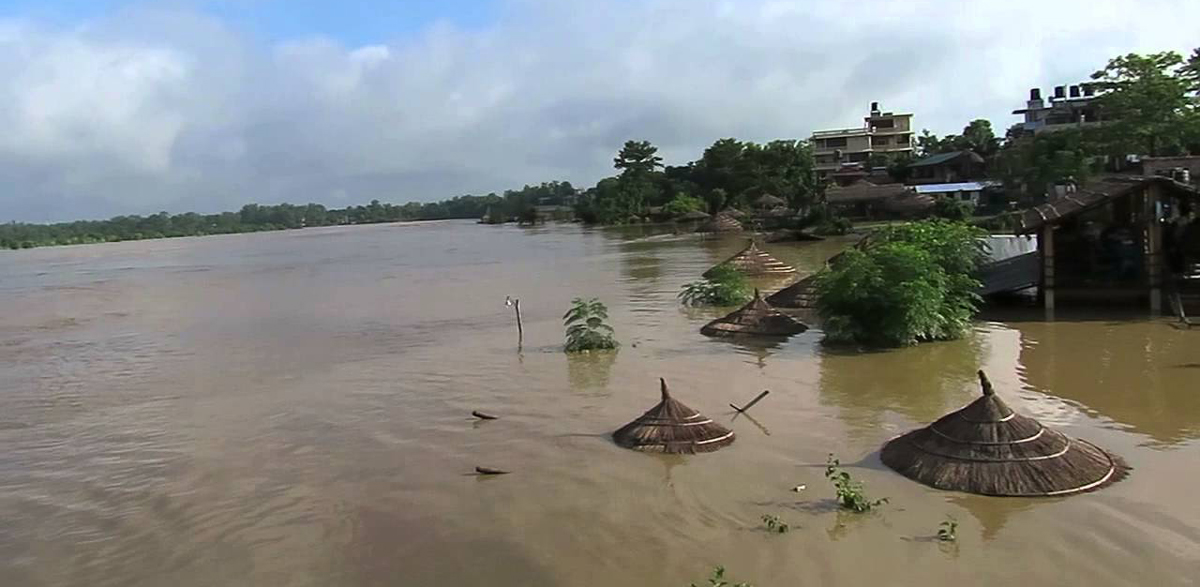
{"points": [[672, 427], [720, 223], [768, 202], [989, 449], [692, 216], [753, 262], [756, 318]]}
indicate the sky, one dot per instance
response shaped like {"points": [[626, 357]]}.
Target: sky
{"points": [[111, 107]]}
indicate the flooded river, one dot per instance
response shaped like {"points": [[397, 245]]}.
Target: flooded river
{"points": [[294, 409]]}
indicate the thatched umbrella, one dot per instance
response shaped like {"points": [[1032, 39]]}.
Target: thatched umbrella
{"points": [[756, 318], [734, 213], [693, 215], [769, 201], [753, 262], [989, 449], [672, 427], [720, 223]]}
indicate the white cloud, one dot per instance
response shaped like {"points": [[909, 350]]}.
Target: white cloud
{"points": [[167, 110]]}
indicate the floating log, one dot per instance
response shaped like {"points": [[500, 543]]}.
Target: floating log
{"points": [[490, 471], [483, 416], [752, 402]]}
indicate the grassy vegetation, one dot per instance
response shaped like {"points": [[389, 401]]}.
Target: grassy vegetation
{"points": [[717, 579], [850, 493], [775, 524]]}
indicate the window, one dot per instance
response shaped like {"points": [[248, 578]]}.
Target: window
{"points": [[879, 141], [835, 143], [883, 123], [858, 157]]}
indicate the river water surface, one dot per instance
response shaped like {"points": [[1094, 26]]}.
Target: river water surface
{"points": [[293, 408]]}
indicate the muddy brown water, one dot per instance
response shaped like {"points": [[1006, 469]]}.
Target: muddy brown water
{"points": [[294, 409]]}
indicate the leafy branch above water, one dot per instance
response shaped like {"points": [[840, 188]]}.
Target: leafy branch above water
{"points": [[586, 329], [717, 579], [725, 286], [850, 493]]}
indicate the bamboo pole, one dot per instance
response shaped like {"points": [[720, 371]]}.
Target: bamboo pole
{"points": [[752, 402]]}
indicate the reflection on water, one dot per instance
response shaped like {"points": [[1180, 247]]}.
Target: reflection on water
{"points": [[294, 409]]}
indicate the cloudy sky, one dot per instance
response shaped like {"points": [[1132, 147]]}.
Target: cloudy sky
{"points": [[111, 107]]}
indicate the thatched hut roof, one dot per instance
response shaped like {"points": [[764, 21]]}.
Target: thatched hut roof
{"points": [[720, 223], [989, 449], [672, 427], [693, 215], [733, 213], [756, 318], [770, 201], [754, 262]]}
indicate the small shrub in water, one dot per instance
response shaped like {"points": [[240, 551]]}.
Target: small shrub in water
{"points": [[586, 330], [774, 524], [717, 579], [725, 286], [850, 494], [948, 530]]}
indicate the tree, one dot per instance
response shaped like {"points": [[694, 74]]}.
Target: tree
{"points": [[1033, 165], [1149, 103], [913, 283], [977, 136], [637, 157]]}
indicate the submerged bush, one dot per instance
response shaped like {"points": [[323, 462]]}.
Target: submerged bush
{"points": [[717, 579], [586, 330], [913, 283], [682, 204], [850, 493], [950, 208], [725, 286]]}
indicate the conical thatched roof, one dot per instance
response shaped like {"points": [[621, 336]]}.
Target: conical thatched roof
{"points": [[693, 215], [734, 213], [769, 201], [720, 223], [753, 262], [672, 427], [756, 318], [989, 449]]}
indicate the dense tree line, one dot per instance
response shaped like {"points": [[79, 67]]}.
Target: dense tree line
{"points": [[729, 174], [255, 218]]}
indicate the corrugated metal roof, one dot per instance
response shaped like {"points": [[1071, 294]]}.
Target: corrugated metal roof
{"points": [[1092, 194], [945, 157], [944, 188]]}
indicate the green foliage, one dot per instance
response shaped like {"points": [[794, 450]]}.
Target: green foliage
{"points": [[977, 136], [638, 158], [725, 286], [850, 495], [950, 208], [586, 330], [912, 283], [717, 579], [1033, 165], [256, 218], [775, 524], [834, 225], [948, 530], [1150, 104], [682, 204]]}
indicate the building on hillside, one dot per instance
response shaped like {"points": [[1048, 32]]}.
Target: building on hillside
{"points": [[882, 132], [969, 191], [957, 166], [1069, 107]]}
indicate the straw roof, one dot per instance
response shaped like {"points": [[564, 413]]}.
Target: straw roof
{"points": [[733, 213], [720, 223], [989, 449], [756, 318], [769, 201], [753, 262], [693, 215], [672, 427]]}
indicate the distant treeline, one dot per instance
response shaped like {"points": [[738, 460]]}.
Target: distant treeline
{"points": [[256, 218]]}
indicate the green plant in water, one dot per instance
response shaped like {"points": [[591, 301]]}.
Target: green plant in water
{"points": [[910, 284], [717, 579], [586, 330], [850, 495], [774, 524], [948, 530], [724, 286]]}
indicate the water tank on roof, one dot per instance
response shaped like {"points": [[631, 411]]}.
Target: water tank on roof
{"points": [[1060, 92], [1035, 94], [1074, 91]]}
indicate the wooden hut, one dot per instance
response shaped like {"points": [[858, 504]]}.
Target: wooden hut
{"points": [[754, 262], [757, 318], [672, 427], [1118, 238], [989, 449], [720, 223]]}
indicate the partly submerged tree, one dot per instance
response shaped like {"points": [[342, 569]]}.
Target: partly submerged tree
{"points": [[586, 329], [724, 286], [913, 283]]}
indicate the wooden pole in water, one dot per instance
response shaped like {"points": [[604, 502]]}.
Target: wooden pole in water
{"points": [[752, 402], [520, 329]]}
